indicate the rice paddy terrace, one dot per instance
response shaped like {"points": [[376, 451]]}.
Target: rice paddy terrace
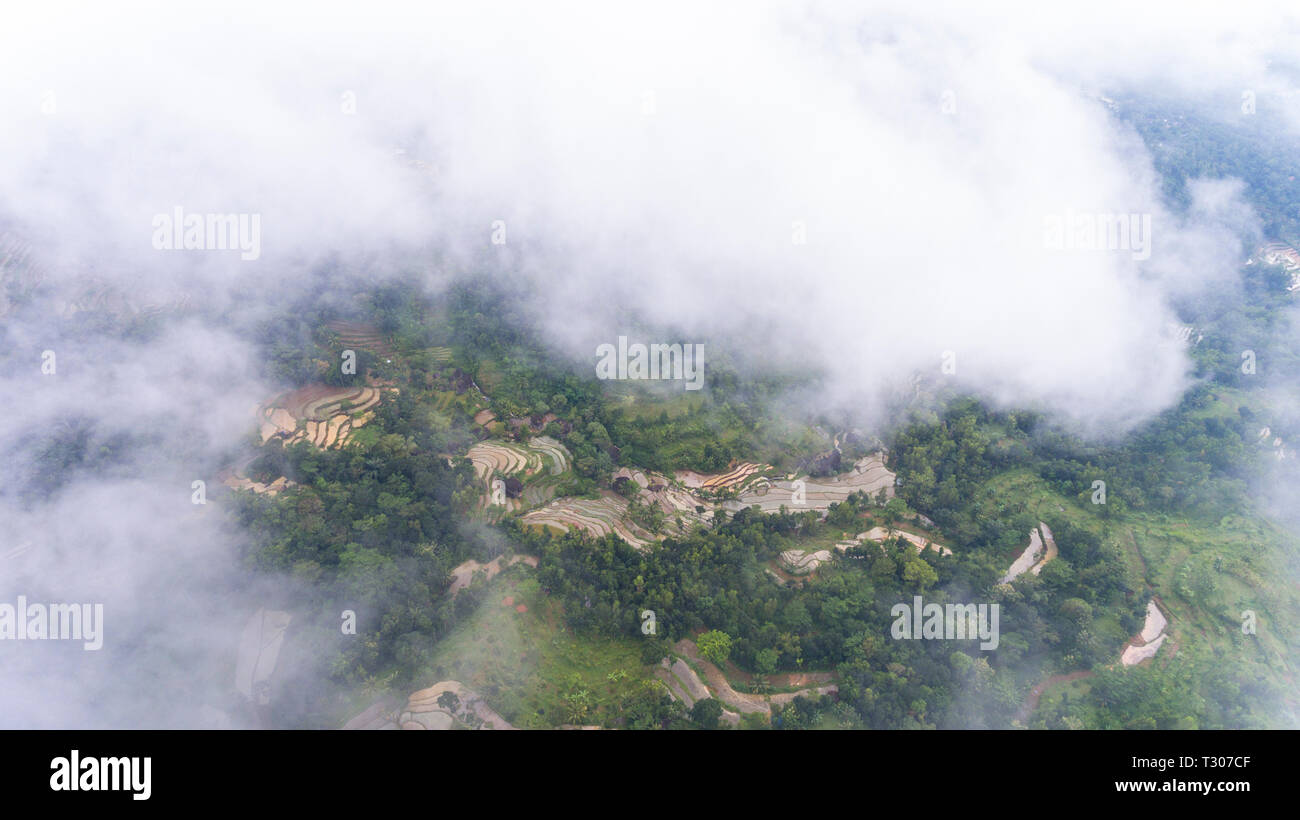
{"points": [[609, 512], [688, 500], [1029, 560], [361, 335], [322, 415], [677, 504], [239, 482], [365, 336], [735, 478], [525, 477], [869, 475], [530, 473], [597, 516], [880, 534], [236, 478], [509, 458], [446, 705], [804, 562], [463, 575], [1146, 643]]}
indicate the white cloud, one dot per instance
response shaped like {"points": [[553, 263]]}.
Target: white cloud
{"points": [[654, 159]]}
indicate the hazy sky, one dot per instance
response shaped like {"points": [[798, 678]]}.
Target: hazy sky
{"points": [[861, 187]]}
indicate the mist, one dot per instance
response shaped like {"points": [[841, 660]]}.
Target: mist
{"points": [[860, 193]]}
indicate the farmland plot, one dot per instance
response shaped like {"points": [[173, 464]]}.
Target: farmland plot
{"points": [[539, 466], [319, 414], [869, 475], [599, 517]]}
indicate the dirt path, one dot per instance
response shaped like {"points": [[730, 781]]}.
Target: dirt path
{"points": [[1031, 702], [717, 682], [783, 679], [740, 701], [780, 680]]}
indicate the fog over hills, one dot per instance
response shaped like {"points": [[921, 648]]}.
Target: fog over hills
{"points": [[865, 194]]}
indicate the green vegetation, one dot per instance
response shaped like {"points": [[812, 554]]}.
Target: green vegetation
{"points": [[380, 524], [537, 674]]}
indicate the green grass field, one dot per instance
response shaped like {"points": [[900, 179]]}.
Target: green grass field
{"points": [[639, 404], [533, 670], [1206, 573]]}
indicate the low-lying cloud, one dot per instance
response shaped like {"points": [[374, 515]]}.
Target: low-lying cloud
{"points": [[858, 192]]}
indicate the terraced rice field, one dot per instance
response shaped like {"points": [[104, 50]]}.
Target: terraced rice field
{"points": [[1027, 559], [641, 479], [539, 464], [322, 415], [800, 562], [682, 681], [1146, 643], [424, 710], [464, 574], [879, 534], [361, 335], [608, 513], [490, 457], [236, 478], [598, 516], [678, 503], [235, 482], [717, 482], [684, 684], [447, 402], [554, 451], [869, 475], [441, 355], [536, 493], [674, 501], [541, 455]]}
